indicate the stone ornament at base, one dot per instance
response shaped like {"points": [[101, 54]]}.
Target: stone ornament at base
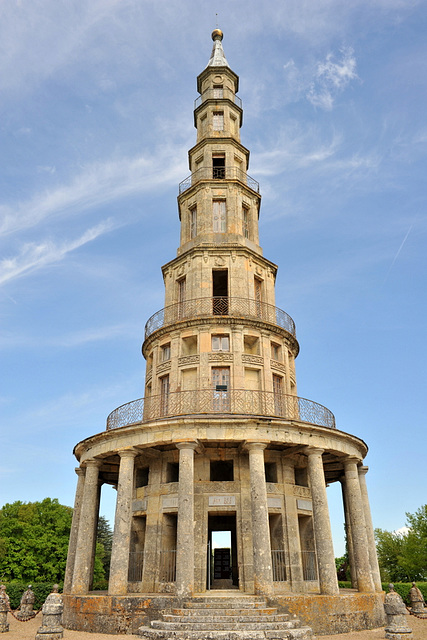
{"points": [[26, 607], [4, 608], [396, 627], [418, 607], [52, 609]]}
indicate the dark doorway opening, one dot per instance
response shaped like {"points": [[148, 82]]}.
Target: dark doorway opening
{"points": [[220, 291], [222, 568]]}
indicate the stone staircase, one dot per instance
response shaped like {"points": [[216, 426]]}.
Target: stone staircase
{"points": [[226, 618]]}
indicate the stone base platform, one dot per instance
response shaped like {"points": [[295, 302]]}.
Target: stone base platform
{"points": [[101, 613]]}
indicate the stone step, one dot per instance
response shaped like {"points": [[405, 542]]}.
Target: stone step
{"points": [[247, 616], [269, 611], [225, 626], [224, 603], [303, 633]]}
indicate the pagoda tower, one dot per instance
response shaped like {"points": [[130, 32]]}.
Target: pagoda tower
{"points": [[221, 441]]}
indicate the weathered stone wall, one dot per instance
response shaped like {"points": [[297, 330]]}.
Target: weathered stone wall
{"points": [[336, 614], [124, 614]]}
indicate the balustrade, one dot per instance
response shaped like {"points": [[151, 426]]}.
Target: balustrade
{"points": [[210, 173], [219, 306], [233, 401]]}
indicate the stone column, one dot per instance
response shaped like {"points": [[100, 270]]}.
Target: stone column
{"points": [[349, 536], [263, 573], [119, 566], [185, 525], [358, 527], [373, 560], [72, 545], [322, 526], [86, 536]]}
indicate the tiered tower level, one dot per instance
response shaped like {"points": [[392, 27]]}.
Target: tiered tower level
{"points": [[221, 440]]}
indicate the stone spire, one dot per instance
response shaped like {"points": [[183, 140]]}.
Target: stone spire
{"points": [[217, 58]]}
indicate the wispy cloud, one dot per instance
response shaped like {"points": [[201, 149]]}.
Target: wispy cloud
{"points": [[95, 185], [35, 256], [331, 77]]}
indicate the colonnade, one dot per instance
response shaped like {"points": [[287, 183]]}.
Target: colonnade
{"points": [[360, 534]]}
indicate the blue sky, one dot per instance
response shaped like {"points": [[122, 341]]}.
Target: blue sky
{"points": [[96, 121]]}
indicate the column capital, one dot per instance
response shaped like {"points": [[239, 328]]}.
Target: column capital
{"points": [[363, 470], [188, 444], [128, 453], [92, 462], [313, 451], [351, 460], [255, 446], [80, 471]]}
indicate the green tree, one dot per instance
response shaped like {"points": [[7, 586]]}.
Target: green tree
{"points": [[105, 538], [34, 540], [403, 556]]}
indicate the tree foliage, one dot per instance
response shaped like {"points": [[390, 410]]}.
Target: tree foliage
{"points": [[34, 542], [104, 537], [403, 556]]}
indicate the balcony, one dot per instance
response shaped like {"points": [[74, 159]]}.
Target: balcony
{"points": [[218, 94], [219, 306], [211, 401], [212, 173]]}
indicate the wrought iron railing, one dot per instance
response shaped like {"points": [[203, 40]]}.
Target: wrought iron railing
{"points": [[209, 173], [136, 564], [234, 401], [309, 565], [219, 306], [278, 563], [215, 94], [167, 568]]}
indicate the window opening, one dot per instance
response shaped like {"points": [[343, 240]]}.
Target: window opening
{"points": [[278, 395], [141, 477], [218, 166], [172, 472], [218, 120], [193, 222], [245, 221], [220, 292], [220, 343], [164, 395], [276, 351], [166, 352], [270, 471], [181, 297], [222, 471], [219, 216], [218, 91], [258, 296], [220, 385]]}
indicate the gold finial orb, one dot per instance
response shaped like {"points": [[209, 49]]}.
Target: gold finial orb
{"points": [[217, 34]]}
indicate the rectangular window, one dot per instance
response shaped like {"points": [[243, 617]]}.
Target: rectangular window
{"points": [[258, 296], [221, 384], [218, 120], [218, 91], [218, 166], [278, 395], [193, 222], [276, 351], [245, 221], [181, 297], [166, 352], [219, 216], [220, 343], [164, 395]]}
